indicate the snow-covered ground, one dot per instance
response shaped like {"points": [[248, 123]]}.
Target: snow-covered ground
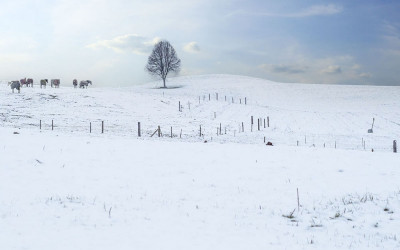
{"points": [[70, 189]]}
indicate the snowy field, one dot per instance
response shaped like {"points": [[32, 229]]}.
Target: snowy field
{"points": [[67, 188]]}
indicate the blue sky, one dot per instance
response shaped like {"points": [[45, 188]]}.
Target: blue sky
{"points": [[338, 42]]}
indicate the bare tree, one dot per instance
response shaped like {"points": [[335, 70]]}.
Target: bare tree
{"points": [[163, 60]]}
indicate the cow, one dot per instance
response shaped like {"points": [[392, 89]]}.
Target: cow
{"points": [[23, 82], [43, 82], [75, 83], [84, 84], [15, 85], [29, 82], [55, 82]]}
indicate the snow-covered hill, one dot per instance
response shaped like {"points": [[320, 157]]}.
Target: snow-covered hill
{"points": [[70, 189], [310, 114]]}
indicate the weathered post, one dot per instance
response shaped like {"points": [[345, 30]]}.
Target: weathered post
{"points": [[216, 96], [90, 127], [200, 131], [179, 107], [394, 146], [171, 131], [139, 134], [209, 97], [52, 125], [268, 121], [220, 129], [40, 124], [102, 127], [159, 131], [240, 100], [258, 123], [245, 101], [242, 127], [264, 122]]}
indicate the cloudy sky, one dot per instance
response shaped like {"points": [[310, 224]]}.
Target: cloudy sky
{"points": [[108, 41]]}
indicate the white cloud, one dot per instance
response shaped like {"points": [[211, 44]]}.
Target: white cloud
{"points": [[192, 47], [315, 10], [127, 43], [318, 10]]}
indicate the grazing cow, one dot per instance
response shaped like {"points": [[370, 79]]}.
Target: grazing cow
{"points": [[84, 84], [29, 82], [75, 83], [55, 82], [43, 82], [15, 85]]}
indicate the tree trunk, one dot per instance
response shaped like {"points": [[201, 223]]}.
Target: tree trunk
{"points": [[164, 83]]}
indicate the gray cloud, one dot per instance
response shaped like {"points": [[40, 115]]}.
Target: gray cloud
{"points": [[127, 43], [284, 68], [332, 69], [365, 75]]}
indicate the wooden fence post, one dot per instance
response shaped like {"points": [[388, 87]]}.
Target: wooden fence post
{"points": [[139, 134], [220, 129], [242, 127], [102, 127], [258, 122], [209, 97], [217, 96], [394, 146], [90, 127], [40, 124], [200, 131], [52, 125], [245, 101], [268, 121], [179, 107], [171, 131], [159, 131]]}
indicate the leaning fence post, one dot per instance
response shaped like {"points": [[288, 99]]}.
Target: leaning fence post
{"points": [[138, 129], [394, 146]]}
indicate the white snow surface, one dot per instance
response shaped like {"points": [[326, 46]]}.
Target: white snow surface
{"points": [[67, 188]]}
